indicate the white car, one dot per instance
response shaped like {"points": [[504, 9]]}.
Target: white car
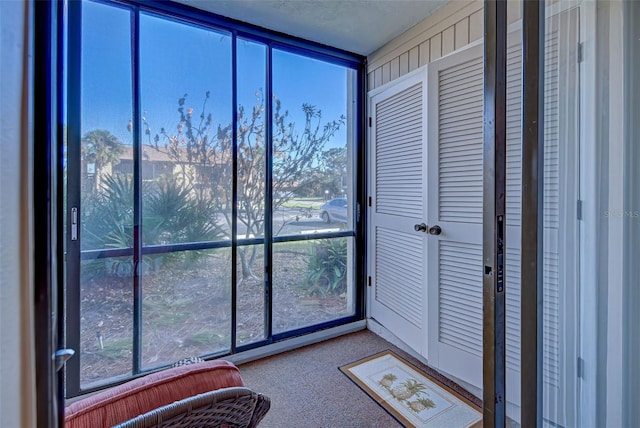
{"points": [[334, 210]]}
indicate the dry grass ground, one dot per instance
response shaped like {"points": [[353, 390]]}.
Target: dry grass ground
{"points": [[186, 309]]}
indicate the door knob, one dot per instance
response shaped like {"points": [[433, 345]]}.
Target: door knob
{"points": [[435, 230], [420, 227]]}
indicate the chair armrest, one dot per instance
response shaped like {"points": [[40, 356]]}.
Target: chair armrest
{"points": [[147, 393], [233, 407]]}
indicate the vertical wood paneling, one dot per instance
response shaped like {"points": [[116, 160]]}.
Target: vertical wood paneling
{"points": [[435, 50], [414, 58], [476, 26], [394, 68], [425, 53], [456, 36], [377, 77], [371, 81], [449, 33], [448, 40], [462, 33], [386, 73], [404, 63]]}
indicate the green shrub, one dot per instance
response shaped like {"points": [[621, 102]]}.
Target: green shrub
{"points": [[327, 268]]}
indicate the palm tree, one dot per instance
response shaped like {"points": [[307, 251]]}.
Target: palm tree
{"points": [[421, 404], [101, 148]]}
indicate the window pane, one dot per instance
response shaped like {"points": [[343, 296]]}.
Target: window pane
{"points": [[251, 295], [106, 311], [186, 131], [186, 305], [313, 282], [106, 195], [313, 131], [251, 60]]}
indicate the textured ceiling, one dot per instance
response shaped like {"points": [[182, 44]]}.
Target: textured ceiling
{"points": [[358, 26]]}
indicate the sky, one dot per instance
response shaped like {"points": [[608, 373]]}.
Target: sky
{"points": [[178, 59]]}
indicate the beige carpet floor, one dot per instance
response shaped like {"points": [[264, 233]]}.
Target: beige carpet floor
{"points": [[307, 389]]}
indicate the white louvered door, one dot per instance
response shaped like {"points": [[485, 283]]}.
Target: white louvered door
{"points": [[455, 204], [397, 266]]}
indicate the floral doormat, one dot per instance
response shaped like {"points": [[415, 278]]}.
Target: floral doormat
{"points": [[414, 398]]}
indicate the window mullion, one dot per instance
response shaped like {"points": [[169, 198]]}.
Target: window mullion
{"points": [[234, 194], [72, 293], [137, 193], [268, 229]]}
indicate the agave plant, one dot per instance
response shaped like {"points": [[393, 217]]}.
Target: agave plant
{"points": [[171, 213]]}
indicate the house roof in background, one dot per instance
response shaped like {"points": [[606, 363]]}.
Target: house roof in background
{"points": [[357, 26]]}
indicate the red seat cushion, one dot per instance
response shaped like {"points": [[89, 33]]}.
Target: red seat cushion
{"points": [[147, 393]]}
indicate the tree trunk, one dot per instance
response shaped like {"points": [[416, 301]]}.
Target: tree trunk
{"points": [[246, 262]]}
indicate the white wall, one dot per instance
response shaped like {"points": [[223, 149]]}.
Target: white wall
{"points": [[16, 368]]}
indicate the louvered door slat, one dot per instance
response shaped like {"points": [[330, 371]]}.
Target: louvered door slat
{"points": [[513, 308], [403, 151], [455, 102], [514, 139], [398, 273], [399, 153], [460, 140], [460, 296]]}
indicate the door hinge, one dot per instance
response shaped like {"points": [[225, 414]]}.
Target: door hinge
{"points": [[369, 281], [370, 121], [579, 209], [369, 201], [580, 52], [580, 368]]}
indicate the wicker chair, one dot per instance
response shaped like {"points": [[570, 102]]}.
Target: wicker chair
{"points": [[191, 394], [228, 407]]}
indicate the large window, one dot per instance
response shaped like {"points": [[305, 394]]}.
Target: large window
{"points": [[212, 198]]}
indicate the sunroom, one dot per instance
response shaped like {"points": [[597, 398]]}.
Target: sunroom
{"points": [[235, 179]]}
